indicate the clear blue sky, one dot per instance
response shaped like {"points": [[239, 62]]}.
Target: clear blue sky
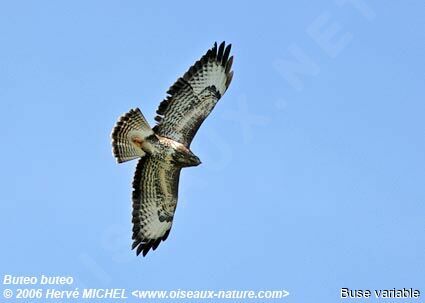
{"points": [[313, 162]]}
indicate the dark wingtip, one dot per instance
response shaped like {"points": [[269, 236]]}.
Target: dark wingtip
{"points": [[136, 243], [214, 49], [165, 236], [143, 246], [226, 55], [156, 243], [220, 52], [229, 64], [147, 247], [139, 249]]}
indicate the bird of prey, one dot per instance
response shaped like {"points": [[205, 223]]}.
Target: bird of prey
{"points": [[165, 149]]}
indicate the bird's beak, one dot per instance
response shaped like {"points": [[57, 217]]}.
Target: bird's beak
{"points": [[196, 161]]}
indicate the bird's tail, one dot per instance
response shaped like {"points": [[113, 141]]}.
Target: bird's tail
{"points": [[128, 136]]}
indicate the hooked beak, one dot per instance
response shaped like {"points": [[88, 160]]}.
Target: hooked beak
{"points": [[196, 161]]}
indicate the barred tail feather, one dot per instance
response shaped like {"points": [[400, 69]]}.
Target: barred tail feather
{"points": [[128, 135]]}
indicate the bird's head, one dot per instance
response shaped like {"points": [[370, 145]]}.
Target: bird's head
{"points": [[185, 158]]}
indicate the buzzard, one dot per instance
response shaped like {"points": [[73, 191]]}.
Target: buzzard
{"points": [[165, 149]]}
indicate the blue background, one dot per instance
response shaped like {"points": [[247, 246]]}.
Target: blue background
{"points": [[307, 188]]}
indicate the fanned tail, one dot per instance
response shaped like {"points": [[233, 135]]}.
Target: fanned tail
{"points": [[128, 136]]}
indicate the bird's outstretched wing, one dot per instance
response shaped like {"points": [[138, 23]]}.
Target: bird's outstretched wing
{"points": [[155, 190], [193, 96]]}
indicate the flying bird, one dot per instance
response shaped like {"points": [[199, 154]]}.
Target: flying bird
{"points": [[165, 149]]}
